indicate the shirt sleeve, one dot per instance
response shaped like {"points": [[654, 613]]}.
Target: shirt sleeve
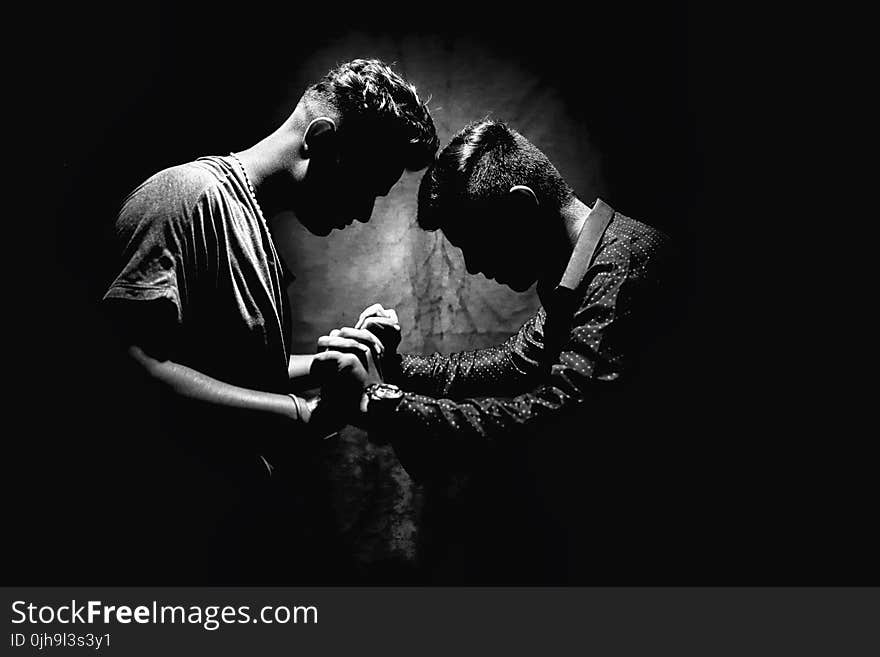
{"points": [[508, 367], [150, 234], [595, 352], [166, 240]]}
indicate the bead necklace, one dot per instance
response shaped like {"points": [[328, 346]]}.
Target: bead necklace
{"points": [[251, 189]]}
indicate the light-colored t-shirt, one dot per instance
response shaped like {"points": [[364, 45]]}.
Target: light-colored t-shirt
{"points": [[197, 252]]}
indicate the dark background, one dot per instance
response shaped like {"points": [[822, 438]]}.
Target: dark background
{"points": [[639, 105]]}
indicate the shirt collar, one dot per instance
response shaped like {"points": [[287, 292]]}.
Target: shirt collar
{"points": [[585, 245]]}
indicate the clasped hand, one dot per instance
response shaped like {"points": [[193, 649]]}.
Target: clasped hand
{"points": [[351, 358]]}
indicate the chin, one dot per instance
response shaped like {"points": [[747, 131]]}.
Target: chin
{"points": [[519, 286], [320, 231], [319, 228]]}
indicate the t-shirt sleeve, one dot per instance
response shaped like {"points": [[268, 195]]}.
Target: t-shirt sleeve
{"points": [[152, 233], [164, 243]]}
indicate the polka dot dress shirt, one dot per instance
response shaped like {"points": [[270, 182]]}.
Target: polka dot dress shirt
{"points": [[556, 362]]}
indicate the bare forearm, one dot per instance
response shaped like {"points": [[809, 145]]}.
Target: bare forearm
{"points": [[299, 365], [192, 384]]}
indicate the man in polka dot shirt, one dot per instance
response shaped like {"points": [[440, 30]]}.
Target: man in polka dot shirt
{"points": [[500, 200]]}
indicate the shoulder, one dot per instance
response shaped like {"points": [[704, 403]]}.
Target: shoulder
{"points": [[187, 182], [171, 194], [636, 235], [630, 251], [629, 245]]}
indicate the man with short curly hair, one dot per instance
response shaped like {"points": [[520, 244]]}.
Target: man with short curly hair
{"points": [[201, 290]]}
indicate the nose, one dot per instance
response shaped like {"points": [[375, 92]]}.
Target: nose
{"points": [[472, 266], [468, 263], [366, 211]]}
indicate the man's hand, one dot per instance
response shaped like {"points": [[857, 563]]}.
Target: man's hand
{"points": [[382, 323], [343, 376]]}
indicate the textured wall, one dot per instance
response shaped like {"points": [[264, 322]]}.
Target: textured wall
{"points": [[391, 261]]}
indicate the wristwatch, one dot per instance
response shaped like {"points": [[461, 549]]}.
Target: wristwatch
{"points": [[382, 398]]}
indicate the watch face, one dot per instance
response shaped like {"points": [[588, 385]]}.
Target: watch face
{"points": [[387, 391]]}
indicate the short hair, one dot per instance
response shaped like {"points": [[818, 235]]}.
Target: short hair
{"points": [[480, 164], [369, 96]]}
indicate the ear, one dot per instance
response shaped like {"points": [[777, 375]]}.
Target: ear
{"points": [[521, 203], [320, 137], [522, 197], [521, 206]]}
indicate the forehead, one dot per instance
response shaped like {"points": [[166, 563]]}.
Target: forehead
{"points": [[469, 212], [491, 226], [371, 176], [464, 227], [372, 164]]}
